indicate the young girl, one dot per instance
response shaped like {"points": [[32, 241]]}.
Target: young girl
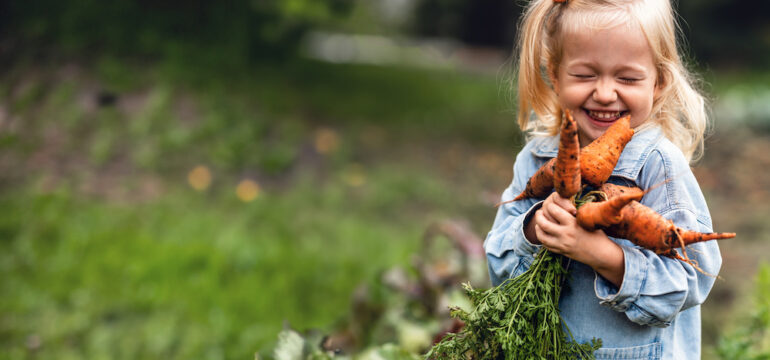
{"points": [[604, 59]]}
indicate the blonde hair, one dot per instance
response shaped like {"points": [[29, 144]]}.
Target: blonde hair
{"points": [[679, 109]]}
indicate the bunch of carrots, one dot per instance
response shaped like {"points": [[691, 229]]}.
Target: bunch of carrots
{"points": [[613, 208]]}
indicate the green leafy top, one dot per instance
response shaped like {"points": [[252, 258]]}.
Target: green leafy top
{"points": [[518, 319]]}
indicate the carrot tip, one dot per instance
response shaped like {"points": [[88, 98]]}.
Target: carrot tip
{"points": [[521, 196]]}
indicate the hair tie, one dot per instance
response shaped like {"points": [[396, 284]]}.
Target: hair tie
{"points": [[559, 1]]}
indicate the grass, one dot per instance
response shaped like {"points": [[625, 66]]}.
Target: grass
{"points": [[748, 337], [107, 252], [254, 119], [193, 274]]}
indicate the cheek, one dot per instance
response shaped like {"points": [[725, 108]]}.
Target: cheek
{"points": [[646, 107], [641, 104], [572, 97]]}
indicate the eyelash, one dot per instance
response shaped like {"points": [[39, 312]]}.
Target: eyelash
{"points": [[623, 80]]}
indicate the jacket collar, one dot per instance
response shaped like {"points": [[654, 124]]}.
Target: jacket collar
{"points": [[631, 159]]}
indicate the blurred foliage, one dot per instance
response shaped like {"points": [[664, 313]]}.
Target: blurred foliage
{"points": [[750, 338], [293, 346], [479, 22], [267, 120], [727, 34], [164, 212], [720, 33], [192, 275], [228, 30], [401, 313]]}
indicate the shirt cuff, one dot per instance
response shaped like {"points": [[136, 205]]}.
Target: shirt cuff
{"points": [[633, 279], [525, 247]]}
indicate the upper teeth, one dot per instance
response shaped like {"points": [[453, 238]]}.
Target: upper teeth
{"points": [[605, 114]]}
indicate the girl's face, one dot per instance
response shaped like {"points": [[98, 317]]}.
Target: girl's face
{"points": [[604, 75]]}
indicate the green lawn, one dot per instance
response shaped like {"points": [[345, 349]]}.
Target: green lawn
{"points": [[107, 252], [189, 274]]}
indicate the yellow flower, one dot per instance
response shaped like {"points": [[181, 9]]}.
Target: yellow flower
{"points": [[199, 178], [355, 175], [247, 190], [326, 141]]}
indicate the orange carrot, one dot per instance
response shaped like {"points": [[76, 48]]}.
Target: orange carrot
{"points": [[598, 159], [540, 184], [597, 215], [612, 190], [648, 229], [566, 170]]}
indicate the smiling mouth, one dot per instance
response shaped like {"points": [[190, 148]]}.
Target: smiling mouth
{"points": [[605, 116]]}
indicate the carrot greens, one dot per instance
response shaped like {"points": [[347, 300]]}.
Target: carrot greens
{"points": [[518, 319]]}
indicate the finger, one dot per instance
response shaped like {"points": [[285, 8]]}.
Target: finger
{"points": [[548, 205], [557, 214], [565, 204], [549, 227], [542, 236], [539, 217], [545, 210], [548, 241], [561, 216], [542, 217]]}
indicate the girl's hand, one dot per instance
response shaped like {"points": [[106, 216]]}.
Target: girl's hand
{"points": [[556, 227]]}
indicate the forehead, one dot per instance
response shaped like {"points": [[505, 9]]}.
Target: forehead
{"points": [[605, 17], [623, 44]]}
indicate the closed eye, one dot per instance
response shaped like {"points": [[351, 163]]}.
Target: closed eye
{"points": [[628, 80]]}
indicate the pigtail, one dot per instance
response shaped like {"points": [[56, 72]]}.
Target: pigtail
{"points": [[534, 93], [681, 109], [683, 115]]}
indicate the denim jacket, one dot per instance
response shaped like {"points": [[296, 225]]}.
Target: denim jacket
{"points": [[655, 314]]}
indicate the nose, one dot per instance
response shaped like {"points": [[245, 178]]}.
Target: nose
{"points": [[605, 93]]}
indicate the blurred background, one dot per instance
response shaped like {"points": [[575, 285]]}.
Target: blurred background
{"points": [[188, 179]]}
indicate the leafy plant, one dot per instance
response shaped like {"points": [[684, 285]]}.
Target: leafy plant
{"points": [[751, 340], [293, 346], [518, 319]]}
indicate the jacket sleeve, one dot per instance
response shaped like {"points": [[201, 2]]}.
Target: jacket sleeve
{"points": [[656, 288], [509, 253]]}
